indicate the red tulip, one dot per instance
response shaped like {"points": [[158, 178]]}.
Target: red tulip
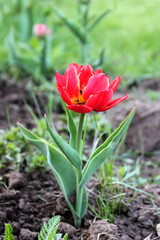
{"points": [[85, 90]]}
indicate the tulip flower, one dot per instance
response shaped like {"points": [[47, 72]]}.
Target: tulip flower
{"points": [[41, 30], [85, 90]]}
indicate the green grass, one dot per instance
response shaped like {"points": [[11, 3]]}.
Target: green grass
{"points": [[129, 34]]}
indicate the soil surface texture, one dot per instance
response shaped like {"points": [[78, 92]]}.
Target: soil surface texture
{"points": [[142, 136], [14, 99], [29, 199]]}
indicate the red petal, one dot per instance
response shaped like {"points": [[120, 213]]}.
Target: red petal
{"points": [[77, 66], [80, 108], [98, 71], [100, 99], [61, 78], [115, 83], [112, 103], [73, 82], [85, 74], [63, 93], [96, 84]]}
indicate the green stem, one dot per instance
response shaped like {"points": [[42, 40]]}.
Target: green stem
{"points": [[79, 134], [84, 21], [79, 191], [79, 199], [29, 23], [85, 52], [43, 56]]}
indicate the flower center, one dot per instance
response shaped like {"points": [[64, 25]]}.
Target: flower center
{"points": [[80, 100]]}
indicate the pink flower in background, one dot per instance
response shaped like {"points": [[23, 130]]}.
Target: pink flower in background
{"points": [[41, 30]]}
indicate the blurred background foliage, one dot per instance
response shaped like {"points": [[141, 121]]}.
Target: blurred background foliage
{"points": [[122, 37]]}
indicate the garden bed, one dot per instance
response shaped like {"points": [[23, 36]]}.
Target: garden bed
{"points": [[29, 199]]}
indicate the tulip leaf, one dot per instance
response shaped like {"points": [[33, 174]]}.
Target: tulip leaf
{"points": [[104, 150], [67, 150], [122, 127], [72, 128], [99, 61], [12, 53], [84, 203], [66, 188], [98, 19], [23, 63], [62, 168], [70, 25]]}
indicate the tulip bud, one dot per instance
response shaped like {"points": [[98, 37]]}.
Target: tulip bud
{"points": [[41, 30]]}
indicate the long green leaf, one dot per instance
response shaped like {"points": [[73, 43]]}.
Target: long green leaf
{"points": [[64, 171], [84, 203], [122, 127], [68, 151], [24, 63], [38, 142], [134, 188], [103, 151], [70, 25], [98, 19], [12, 53], [72, 128], [100, 60], [50, 156]]}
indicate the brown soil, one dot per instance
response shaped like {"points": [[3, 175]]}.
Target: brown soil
{"points": [[14, 98], [27, 200], [142, 135]]}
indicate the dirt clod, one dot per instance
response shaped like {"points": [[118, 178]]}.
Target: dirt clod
{"points": [[16, 180], [147, 218], [67, 228], [26, 234], [102, 230]]}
